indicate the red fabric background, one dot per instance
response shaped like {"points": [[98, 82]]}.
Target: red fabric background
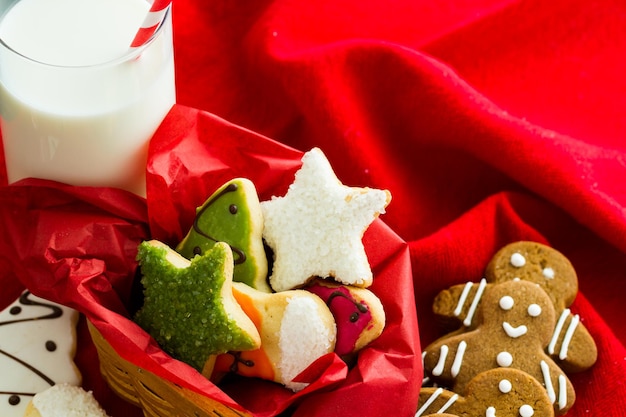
{"points": [[488, 120]]}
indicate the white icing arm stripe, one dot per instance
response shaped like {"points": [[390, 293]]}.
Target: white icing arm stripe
{"points": [[557, 331], [479, 293], [545, 370], [429, 401], [447, 405], [443, 354], [568, 336], [458, 359], [461, 303], [562, 392]]}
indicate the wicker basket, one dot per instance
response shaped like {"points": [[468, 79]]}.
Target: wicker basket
{"points": [[156, 396]]}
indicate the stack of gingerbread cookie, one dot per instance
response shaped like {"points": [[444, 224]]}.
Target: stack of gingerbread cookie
{"points": [[514, 343]]}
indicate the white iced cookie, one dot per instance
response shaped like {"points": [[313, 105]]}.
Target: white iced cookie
{"points": [[37, 347], [316, 229], [64, 400]]}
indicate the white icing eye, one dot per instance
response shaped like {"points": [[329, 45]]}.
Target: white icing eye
{"points": [[526, 411], [505, 386], [504, 359], [518, 260], [534, 310], [506, 302], [548, 272]]}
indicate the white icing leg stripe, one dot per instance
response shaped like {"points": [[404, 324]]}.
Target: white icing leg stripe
{"points": [[562, 392], [479, 293], [443, 354], [557, 331], [447, 405], [568, 336], [545, 370], [429, 401], [461, 303], [425, 379], [458, 359]]}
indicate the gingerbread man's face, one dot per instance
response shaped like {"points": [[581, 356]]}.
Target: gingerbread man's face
{"points": [[521, 312], [541, 264]]}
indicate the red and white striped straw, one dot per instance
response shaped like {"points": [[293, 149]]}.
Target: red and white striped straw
{"points": [[153, 19]]}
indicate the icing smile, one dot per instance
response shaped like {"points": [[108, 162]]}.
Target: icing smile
{"points": [[514, 332]]}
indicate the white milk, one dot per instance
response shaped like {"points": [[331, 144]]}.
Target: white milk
{"points": [[86, 114]]}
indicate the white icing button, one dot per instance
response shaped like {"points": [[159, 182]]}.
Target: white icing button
{"points": [[518, 260], [506, 302], [534, 310], [526, 411], [548, 273], [504, 359], [491, 412], [505, 386]]}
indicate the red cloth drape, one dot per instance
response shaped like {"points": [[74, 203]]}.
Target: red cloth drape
{"points": [[489, 121]]}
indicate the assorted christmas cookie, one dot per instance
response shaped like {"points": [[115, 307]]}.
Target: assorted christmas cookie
{"points": [[64, 400], [358, 313], [37, 348], [498, 392], [296, 328], [271, 331], [515, 322], [315, 230], [189, 306], [232, 215]]}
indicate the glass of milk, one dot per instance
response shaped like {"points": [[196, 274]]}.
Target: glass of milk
{"points": [[77, 104]]}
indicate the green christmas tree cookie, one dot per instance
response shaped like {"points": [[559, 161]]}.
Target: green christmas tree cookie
{"points": [[232, 215], [189, 307]]}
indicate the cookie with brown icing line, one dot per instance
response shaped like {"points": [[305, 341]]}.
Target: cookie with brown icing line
{"points": [[501, 392], [37, 347], [571, 346], [515, 322]]}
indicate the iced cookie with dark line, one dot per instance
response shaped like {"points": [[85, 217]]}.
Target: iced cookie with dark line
{"points": [[499, 392], [232, 214], [515, 322], [189, 307], [37, 347], [358, 313], [296, 328]]}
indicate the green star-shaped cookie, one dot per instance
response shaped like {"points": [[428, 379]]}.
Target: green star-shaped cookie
{"points": [[189, 308], [316, 229]]}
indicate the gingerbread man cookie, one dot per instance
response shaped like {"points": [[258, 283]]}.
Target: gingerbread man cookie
{"points": [[571, 345], [515, 322], [501, 392]]}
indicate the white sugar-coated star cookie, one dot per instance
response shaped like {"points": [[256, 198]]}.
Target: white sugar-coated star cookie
{"points": [[316, 229]]}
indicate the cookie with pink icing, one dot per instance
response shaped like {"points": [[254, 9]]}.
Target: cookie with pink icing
{"points": [[571, 345], [37, 347], [358, 313], [514, 324], [501, 392]]}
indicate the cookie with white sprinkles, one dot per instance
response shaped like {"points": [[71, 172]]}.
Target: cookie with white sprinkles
{"points": [[316, 229]]}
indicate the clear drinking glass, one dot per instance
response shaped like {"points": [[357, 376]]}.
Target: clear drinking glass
{"points": [[86, 125]]}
